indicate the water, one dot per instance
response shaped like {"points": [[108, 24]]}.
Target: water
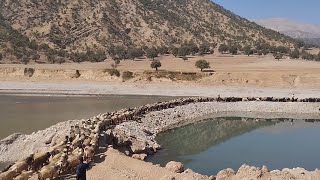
{"points": [[27, 114], [210, 146]]}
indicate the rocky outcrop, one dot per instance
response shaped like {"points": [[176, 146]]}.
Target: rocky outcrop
{"points": [[176, 167]]}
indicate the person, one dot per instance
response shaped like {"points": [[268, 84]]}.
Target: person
{"points": [[82, 170]]}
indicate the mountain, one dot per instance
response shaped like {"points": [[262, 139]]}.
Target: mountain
{"points": [[82, 25], [308, 32], [14, 45]]}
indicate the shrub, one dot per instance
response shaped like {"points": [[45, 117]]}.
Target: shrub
{"points": [[126, 75], [278, 56], [155, 64], [202, 64], [295, 54], [113, 72]]}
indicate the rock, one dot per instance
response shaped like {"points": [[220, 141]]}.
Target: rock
{"points": [[141, 157], [49, 140], [249, 171], [176, 167], [225, 174], [10, 139], [138, 147], [264, 169]]}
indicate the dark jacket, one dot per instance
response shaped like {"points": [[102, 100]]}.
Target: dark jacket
{"points": [[81, 171]]}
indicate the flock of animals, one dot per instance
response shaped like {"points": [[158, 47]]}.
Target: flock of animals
{"points": [[83, 139]]}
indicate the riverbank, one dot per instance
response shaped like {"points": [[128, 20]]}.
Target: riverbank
{"points": [[156, 121], [94, 88]]}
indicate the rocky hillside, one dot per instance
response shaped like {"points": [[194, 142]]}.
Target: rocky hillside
{"points": [[81, 25]]}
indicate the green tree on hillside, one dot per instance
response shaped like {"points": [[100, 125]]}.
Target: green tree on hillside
{"points": [[204, 49], [155, 65], [152, 53], [183, 51], [202, 64], [135, 53], [295, 54], [248, 51], [223, 48], [233, 49]]}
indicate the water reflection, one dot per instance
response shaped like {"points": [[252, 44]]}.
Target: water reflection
{"points": [[210, 146]]}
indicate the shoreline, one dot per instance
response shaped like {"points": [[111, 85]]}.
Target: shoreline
{"points": [[88, 88]]}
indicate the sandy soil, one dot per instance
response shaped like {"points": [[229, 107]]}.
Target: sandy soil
{"points": [[117, 166], [240, 71]]}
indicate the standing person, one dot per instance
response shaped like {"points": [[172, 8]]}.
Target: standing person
{"points": [[82, 170]]}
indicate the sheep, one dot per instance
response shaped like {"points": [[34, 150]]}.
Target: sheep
{"points": [[40, 159], [25, 175], [87, 141], [8, 175], [48, 172], [19, 166], [89, 153], [72, 162]]}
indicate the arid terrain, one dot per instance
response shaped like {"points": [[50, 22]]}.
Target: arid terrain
{"points": [[254, 72]]}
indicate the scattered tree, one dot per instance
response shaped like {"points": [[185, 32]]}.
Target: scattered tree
{"points": [[174, 51], [202, 64], [204, 49], [163, 50], [295, 54], [152, 53], [1, 56], [183, 51], [223, 48], [248, 51], [233, 50], [135, 53], [155, 65]]}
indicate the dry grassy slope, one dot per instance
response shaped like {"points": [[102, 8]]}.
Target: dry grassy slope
{"points": [[78, 24]]}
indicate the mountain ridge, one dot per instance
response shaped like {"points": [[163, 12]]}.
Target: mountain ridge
{"points": [[80, 25], [291, 28]]}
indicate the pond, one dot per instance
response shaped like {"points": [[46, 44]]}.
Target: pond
{"points": [[215, 144]]}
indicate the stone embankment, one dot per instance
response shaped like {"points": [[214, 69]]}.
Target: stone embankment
{"points": [[133, 131]]}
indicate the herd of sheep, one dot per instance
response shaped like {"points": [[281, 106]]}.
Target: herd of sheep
{"points": [[83, 139]]}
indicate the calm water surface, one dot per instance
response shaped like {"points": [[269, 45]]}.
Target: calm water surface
{"points": [[27, 114], [210, 146]]}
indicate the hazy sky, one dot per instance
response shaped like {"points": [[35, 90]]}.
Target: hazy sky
{"points": [[299, 10]]}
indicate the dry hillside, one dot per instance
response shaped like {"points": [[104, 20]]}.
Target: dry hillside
{"points": [[79, 25]]}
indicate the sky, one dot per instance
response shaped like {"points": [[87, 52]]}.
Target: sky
{"points": [[307, 11]]}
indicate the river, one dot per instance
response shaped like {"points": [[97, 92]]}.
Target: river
{"points": [[26, 114]]}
